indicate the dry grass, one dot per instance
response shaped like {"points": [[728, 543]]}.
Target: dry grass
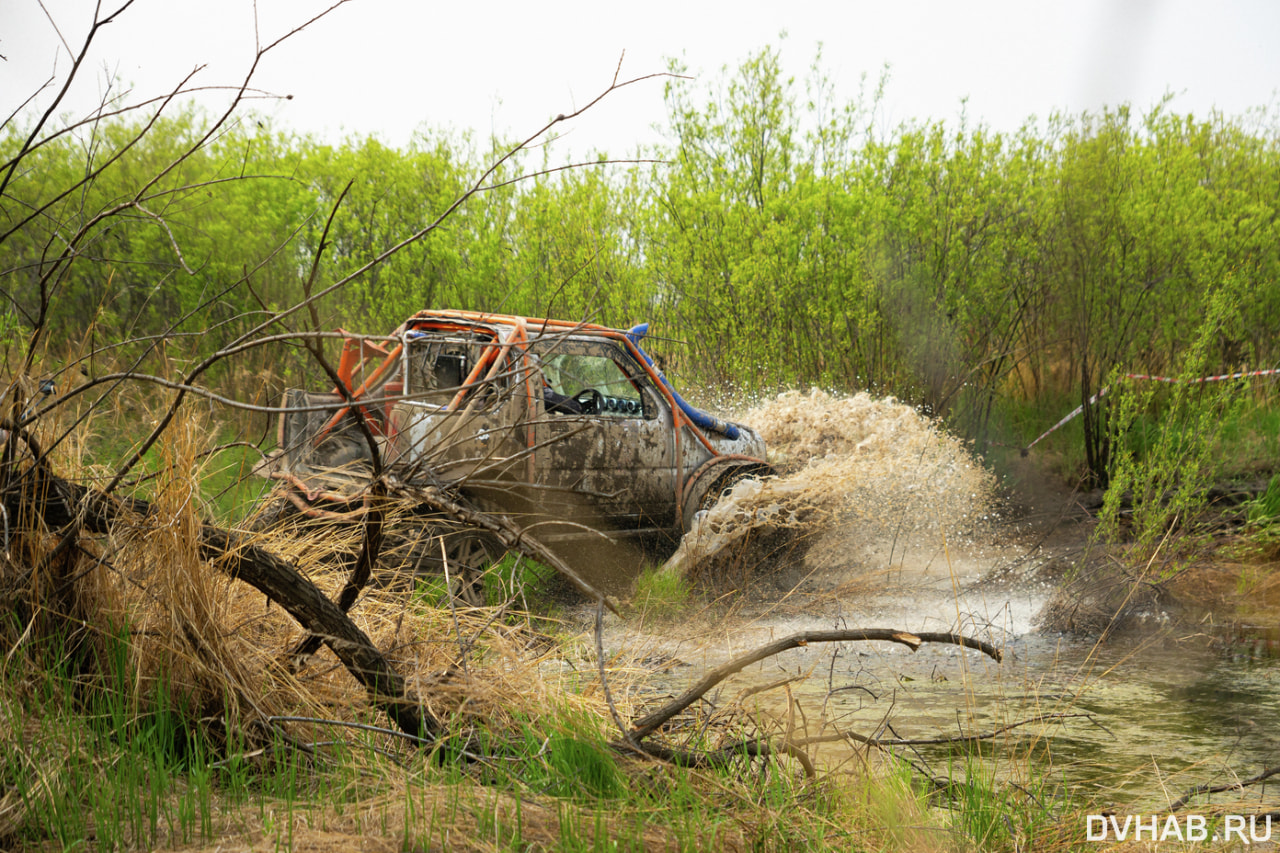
{"points": [[200, 641], [420, 815]]}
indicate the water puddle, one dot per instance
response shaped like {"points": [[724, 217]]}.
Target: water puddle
{"points": [[1171, 713], [1135, 722]]}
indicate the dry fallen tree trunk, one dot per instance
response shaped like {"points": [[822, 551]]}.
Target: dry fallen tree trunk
{"points": [[321, 617], [64, 505]]}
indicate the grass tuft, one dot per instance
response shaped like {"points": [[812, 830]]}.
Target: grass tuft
{"points": [[661, 595]]}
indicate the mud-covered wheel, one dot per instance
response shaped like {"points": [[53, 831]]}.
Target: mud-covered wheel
{"points": [[413, 551], [705, 501], [468, 554], [708, 490]]}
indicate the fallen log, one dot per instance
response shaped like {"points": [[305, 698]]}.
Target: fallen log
{"points": [[62, 504]]}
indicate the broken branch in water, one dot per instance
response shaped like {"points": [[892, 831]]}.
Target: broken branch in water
{"points": [[1218, 789], [933, 741], [649, 724]]}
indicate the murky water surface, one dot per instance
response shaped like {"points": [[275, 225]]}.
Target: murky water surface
{"points": [[1134, 722], [1170, 714]]}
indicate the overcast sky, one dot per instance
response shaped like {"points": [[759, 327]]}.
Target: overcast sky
{"points": [[389, 66]]}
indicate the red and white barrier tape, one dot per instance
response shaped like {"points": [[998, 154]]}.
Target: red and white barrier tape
{"points": [[1219, 378]]}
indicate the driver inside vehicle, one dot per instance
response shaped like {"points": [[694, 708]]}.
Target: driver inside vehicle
{"points": [[581, 384], [560, 404], [556, 400]]}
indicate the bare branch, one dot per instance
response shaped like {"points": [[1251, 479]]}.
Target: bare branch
{"points": [[102, 114], [565, 168], [75, 67], [604, 679], [177, 250], [1218, 789], [54, 24], [647, 725], [935, 741], [373, 522]]}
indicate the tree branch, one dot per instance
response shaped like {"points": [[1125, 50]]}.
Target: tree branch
{"points": [[647, 725], [1218, 789]]}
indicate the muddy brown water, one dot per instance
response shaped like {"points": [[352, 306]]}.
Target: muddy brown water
{"points": [[908, 534], [1146, 716]]}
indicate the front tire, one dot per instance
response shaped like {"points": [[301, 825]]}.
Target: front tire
{"points": [[706, 494]]}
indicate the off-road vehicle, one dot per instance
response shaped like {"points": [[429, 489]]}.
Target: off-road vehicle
{"points": [[567, 428]]}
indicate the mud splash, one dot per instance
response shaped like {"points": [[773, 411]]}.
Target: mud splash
{"points": [[859, 477]]}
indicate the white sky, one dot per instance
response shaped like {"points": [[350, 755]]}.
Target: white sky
{"points": [[387, 66]]}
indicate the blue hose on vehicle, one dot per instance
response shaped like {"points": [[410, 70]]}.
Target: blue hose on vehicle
{"points": [[702, 419]]}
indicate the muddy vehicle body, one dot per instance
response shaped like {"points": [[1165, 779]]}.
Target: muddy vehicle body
{"points": [[567, 428]]}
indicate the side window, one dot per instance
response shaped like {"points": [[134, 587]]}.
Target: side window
{"points": [[438, 367], [593, 383]]}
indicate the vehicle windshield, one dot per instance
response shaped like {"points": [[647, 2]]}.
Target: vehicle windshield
{"points": [[592, 378]]}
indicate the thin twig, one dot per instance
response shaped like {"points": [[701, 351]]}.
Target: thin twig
{"points": [[453, 607], [604, 679], [933, 741]]}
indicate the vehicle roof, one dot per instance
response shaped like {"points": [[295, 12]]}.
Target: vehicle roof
{"points": [[512, 325]]}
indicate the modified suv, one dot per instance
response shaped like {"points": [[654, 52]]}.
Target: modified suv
{"points": [[568, 428]]}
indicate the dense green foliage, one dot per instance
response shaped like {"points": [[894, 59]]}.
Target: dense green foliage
{"points": [[786, 238]]}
